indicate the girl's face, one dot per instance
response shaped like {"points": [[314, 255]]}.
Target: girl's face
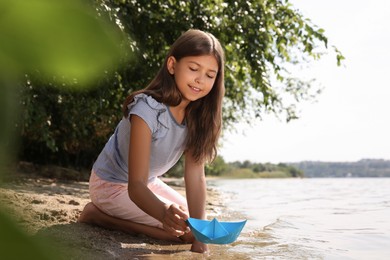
{"points": [[194, 75]]}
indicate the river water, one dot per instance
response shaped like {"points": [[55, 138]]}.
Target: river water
{"points": [[310, 218]]}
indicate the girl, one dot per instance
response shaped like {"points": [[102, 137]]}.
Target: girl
{"points": [[179, 112]]}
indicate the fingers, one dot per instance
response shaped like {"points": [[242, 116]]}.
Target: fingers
{"points": [[180, 211], [174, 220], [184, 211]]}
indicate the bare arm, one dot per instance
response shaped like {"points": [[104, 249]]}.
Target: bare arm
{"points": [[196, 194], [139, 157], [195, 180]]}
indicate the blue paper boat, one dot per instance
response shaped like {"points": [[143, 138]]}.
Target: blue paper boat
{"points": [[215, 232]]}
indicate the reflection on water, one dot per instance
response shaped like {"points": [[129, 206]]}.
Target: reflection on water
{"points": [[310, 218]]}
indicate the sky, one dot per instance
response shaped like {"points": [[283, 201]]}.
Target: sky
{"points": [[350, 120]]}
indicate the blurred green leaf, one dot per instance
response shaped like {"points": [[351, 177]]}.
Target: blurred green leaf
{"points": [[66, 40], [63, 42], [15, 244]]}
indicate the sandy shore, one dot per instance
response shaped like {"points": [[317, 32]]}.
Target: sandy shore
{"points": [[49, 207]]}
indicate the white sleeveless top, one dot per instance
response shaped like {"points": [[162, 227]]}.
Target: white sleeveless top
{"points": [[168, 141]]}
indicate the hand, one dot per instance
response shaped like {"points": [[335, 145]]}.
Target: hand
{"points": [[199, 247], [174, 220]]}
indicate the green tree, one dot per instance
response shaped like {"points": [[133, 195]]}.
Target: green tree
{"points": [[66, 126], [262, 40], [217, 167], [258, 167]]}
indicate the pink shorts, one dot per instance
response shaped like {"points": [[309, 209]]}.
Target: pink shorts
{"points": [[113, 199]]}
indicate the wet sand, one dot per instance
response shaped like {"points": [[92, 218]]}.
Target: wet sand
{"points": [[49, 207]]}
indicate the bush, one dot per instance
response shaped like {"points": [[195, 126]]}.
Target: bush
{"points": [[67, 127]]}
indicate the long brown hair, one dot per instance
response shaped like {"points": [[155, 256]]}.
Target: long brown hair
{"points": [[203, 116]]}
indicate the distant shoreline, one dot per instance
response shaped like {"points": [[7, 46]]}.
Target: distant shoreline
{"points": [[363, 168]]}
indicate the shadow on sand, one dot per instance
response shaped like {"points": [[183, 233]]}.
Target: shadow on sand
{"points": [[82, 241]]}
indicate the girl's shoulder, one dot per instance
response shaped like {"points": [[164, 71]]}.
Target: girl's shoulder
{"points": [[154, 113], [148, 100]]}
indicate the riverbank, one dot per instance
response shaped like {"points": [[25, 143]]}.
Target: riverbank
{"points": [[48, 208]]}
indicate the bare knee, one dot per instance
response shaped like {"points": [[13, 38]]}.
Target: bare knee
{"points": [[88, 213]]}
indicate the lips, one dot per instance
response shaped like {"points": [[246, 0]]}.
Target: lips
{"points": [[195, 89]]}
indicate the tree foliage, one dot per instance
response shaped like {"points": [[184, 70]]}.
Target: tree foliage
{"points": [[262, 41], [245, 169], [65, 126], [248, 169]]}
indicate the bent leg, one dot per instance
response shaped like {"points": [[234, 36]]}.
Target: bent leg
{"points": [[92, 215], [166, 193], [113, 200], [112, 208]]}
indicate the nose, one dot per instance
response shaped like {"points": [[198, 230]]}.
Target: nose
{"points": [[198, 79]]}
